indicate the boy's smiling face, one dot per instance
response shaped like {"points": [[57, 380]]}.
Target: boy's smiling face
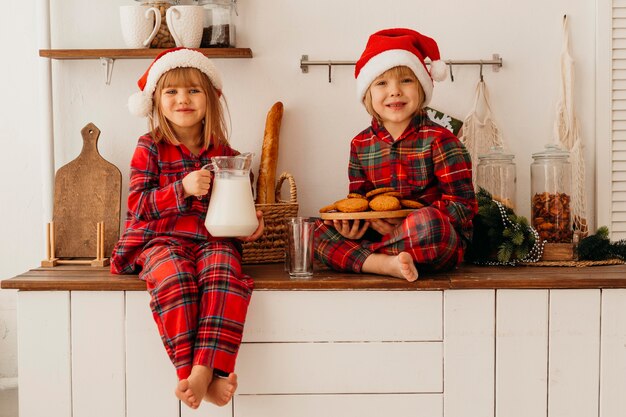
{"points": [[396, 96]]}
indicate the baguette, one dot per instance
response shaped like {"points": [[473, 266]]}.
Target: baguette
{"points": [[266, 183]]}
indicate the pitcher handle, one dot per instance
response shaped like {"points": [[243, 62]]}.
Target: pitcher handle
{"points": [[157, 24], [170, 24]]}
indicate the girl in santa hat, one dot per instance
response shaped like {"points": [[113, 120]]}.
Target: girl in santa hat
{"points": [[199, 295], [403, 150]]}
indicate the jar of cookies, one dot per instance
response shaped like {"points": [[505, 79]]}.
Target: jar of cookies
{"points": [[496, 173], [219, 25], [163, 38], [551, 189]]}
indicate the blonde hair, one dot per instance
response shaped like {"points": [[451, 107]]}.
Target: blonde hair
{"points": [[395, 72], [214, 132]]}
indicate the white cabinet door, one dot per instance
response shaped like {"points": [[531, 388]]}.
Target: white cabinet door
{"points": [[613, 354], [521, 353], [44, 361], [469, 325], [310, 316], [319, 368], [150, 376], [574, 358], [98, 371]]}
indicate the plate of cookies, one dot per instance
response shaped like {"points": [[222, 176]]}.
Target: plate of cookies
{"points": [[379, 203]]}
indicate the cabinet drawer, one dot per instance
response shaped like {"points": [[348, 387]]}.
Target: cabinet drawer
{"points": [[340, 367], [355, 316], [357, 405]]}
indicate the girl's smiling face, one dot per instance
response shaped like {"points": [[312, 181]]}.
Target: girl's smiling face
{"points": [[396, 97], [184, 105]]}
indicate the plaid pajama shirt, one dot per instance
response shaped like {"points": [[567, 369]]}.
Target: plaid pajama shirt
{"points": [[426, 163], [199, 295]]}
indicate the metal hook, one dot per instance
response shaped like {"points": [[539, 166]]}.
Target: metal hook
{"points": [[107, 64], [451, 75], [330, 66], [481, 71]]}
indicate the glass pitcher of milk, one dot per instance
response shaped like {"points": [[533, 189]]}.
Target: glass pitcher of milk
{"points": [[231, 210]]}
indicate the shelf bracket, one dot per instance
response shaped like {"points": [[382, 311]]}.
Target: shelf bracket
{"points": [[107, 65]]}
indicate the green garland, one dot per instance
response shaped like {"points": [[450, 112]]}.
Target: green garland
{"points": [[598, 247], [500, 235]]}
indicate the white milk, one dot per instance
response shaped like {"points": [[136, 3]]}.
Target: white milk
{"points": [[231, 208]]}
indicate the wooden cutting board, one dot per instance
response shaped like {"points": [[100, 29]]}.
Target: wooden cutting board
{"points": [[86, 191]]}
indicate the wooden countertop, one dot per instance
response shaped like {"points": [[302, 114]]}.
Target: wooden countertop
{"points": [[273, 277]]}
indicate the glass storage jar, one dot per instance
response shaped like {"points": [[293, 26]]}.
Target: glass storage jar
{"points": [[551, 189], [495, 173], [219, 25], [163, 38]]}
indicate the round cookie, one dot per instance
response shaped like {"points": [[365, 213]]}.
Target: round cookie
{"points": [[355, 195], [328, 208], [352, 205], [411, 204], [396, 194], [384, 203], [377, 191]]}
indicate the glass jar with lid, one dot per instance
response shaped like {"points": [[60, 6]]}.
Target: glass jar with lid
{"points": [[219, 25], [551, 189], [496, 173], [163, 38]]}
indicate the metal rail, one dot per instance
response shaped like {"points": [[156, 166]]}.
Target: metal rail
{"points": [[495, 62]]}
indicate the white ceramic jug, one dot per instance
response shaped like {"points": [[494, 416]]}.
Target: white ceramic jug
{"points": [[231, 210], [185, 24], [140, 24]]}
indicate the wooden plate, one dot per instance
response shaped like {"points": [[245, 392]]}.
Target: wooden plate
{"points": [[366, 215]]}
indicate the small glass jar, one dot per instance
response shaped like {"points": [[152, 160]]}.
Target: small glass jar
{"points": [[551, 189], [163, 38], [219, 25], [496, 173]]}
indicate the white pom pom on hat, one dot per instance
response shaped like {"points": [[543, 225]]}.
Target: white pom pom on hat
{"points": [[140, 103], [391, 48]]}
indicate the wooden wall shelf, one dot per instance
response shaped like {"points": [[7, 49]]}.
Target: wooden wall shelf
{"points": [[147, 53]]}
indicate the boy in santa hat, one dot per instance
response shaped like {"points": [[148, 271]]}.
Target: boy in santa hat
{"points": [[403, 150]]}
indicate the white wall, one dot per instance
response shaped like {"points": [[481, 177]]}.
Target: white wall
{"points": [[320, 117]]}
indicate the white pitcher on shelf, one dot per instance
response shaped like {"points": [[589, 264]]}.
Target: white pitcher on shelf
{"points": [[140, 24], [186, 24]]}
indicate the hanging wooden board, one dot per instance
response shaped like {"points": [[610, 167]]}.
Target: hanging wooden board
{"points": [[86, 191]]}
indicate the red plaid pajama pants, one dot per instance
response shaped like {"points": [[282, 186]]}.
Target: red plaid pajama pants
{"points": [[199, 300], [426, 234]]}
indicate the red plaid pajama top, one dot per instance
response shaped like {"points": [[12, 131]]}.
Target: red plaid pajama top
{"points": [[156, 203], [426, 163]]}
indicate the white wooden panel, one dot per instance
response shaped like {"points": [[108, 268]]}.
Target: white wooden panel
{"points": [[613, 354], [574, 353], [150, 375], [306, 316], [521, 353], [98, 387], [43, 344], [375, 405], [469, 326], [320, 368]]}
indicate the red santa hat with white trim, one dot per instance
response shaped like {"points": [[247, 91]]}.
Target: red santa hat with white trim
{"points": [[391, 48], [140, 103]]}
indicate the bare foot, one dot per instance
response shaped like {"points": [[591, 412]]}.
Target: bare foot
{"points": [[221, 390], [398, 266], [193, 389], [406, 266]]}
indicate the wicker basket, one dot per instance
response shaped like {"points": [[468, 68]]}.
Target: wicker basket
{"points": [[270, 247]]}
